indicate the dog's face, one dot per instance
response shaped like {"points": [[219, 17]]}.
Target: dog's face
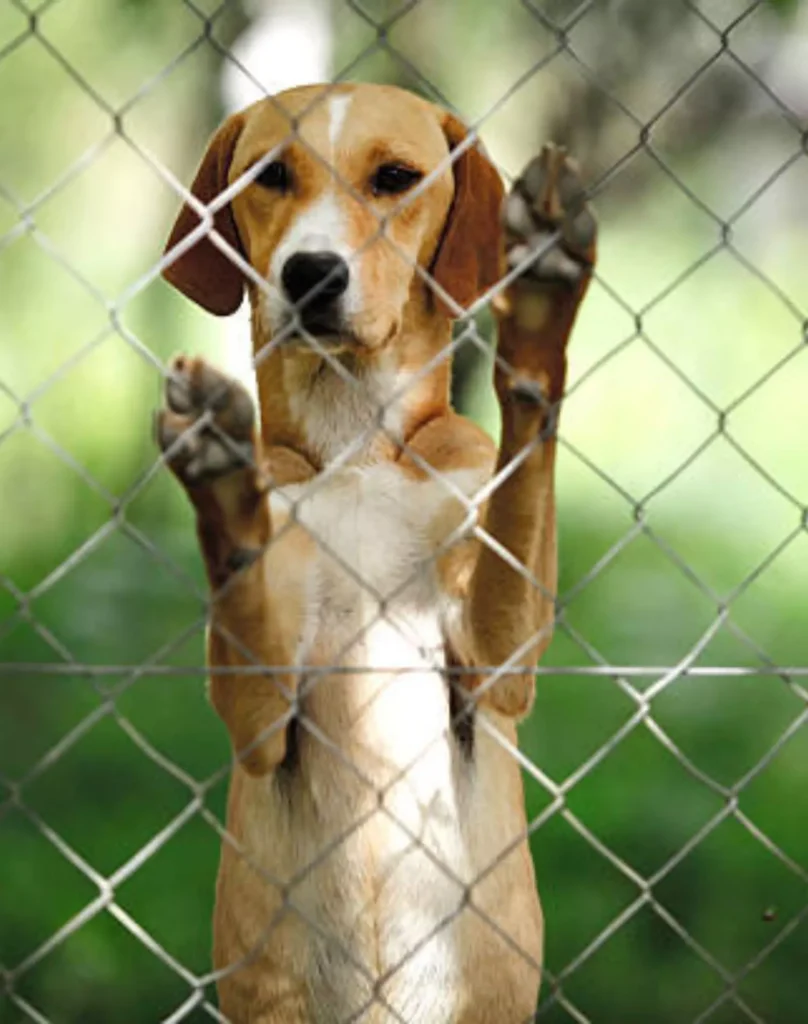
{"points": [[336, 222], [341, 194]]}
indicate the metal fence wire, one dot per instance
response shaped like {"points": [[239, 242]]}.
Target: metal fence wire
{"points": [[642, 685]]}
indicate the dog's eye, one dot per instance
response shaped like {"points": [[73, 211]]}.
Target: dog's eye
{"points": [[393, 179], [276, 176]]}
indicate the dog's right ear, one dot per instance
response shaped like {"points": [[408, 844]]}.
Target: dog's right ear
{"points": [[204, 273]]}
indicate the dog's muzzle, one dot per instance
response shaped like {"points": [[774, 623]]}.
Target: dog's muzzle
{"points": [[315, 283]]}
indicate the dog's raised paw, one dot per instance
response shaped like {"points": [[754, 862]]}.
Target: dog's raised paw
{"points": [[549, 229], [205, 429]]}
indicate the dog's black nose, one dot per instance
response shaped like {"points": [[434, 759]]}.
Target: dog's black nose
{"points": [[316, 278]]}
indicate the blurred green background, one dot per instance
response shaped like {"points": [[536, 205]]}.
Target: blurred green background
{"points": [[683, 486]]}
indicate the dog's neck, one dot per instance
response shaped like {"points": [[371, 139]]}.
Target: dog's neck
{"points": [[354, 406]]}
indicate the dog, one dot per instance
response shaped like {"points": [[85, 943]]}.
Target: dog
{"points": [[382, 576]]}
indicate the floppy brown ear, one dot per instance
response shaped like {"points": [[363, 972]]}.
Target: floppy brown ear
{"points": [[204, 273], [469, 255]]}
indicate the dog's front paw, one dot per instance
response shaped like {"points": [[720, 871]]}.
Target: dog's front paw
{"points": [[206, 427], [550, 247], [549, 230]]}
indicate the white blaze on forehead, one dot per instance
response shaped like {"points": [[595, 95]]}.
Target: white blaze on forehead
{"points": [[337, 112]]}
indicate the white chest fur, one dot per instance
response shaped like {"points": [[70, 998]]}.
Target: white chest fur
{"points": [[375, 536]]}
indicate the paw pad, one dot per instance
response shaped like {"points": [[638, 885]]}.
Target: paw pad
{"points": [[206, 427], [549, 229]]}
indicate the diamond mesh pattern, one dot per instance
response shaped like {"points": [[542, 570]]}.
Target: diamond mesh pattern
{"points": [[648, 690]]}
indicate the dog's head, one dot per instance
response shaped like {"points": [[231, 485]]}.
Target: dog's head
{"points": [[337, 196]]}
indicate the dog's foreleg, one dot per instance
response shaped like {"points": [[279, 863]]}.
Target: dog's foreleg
{"points": [[207, 432], [550, 235]]}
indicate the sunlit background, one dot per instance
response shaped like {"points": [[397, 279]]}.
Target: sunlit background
{"points": [[674, 867]]}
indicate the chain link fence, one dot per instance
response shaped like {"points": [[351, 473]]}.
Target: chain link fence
{"points": [[665, 760]]}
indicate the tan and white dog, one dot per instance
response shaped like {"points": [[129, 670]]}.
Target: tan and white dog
{"points": [[378, 606]]}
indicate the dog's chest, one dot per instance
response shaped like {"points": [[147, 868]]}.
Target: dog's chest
{"points": [[372, 537]]}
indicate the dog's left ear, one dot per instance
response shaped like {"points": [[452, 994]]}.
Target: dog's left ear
{"points": [[468, 260], [204, 273]]}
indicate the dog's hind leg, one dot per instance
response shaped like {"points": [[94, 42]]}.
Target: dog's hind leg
{"points": [[207, 433], [550, 249]]}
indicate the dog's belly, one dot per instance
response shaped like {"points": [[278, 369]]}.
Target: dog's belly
{"points": [[385, 893], [383, 783], [377, 781]]}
